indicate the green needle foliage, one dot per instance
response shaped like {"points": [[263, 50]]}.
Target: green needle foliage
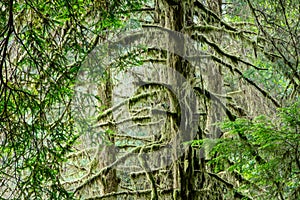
{"points": [[42, 46], [264, 153]]}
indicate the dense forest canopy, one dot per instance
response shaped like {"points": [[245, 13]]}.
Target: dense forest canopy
{"points": [[149, 99]]}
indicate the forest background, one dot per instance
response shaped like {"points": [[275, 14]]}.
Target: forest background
{"points": [[149, 99]]}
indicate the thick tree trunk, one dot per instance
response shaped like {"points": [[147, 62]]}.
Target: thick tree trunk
{"points": [[176, 15], [107, 156]]}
